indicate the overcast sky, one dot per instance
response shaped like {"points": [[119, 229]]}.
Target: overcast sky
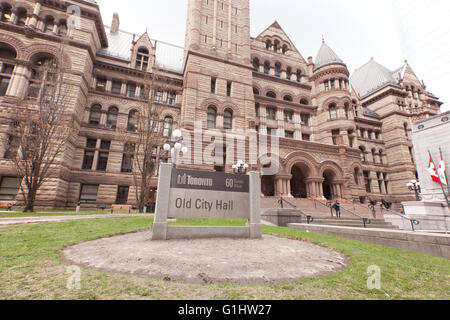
{"points": [[356, 30]]}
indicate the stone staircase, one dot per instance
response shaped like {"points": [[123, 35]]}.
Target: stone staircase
{"points": [[354, 223]]}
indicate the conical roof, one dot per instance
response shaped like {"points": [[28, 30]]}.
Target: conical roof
{"points": [[371, 77], [326, 56]]}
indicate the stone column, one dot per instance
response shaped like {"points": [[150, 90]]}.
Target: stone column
{"points": [[13, 17], [108, 85], [37, 10], [96, 155]]}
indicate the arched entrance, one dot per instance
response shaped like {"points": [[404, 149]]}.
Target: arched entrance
{"points": [[268, 186], [329, 177], [300, 173]]}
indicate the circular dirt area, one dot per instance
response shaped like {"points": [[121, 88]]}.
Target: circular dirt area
{"points": [[265, 261]]}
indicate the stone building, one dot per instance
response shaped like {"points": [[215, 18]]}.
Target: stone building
{"points": [[341, 136]]}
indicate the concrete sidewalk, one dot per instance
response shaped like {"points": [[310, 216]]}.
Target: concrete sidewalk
{"points": [[42, 219]]}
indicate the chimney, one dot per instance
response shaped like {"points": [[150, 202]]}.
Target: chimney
{"points": [[115, 24]]}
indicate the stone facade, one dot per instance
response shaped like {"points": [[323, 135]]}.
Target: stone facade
{"points": [[340, 136]]}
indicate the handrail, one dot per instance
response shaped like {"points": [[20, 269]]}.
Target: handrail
{"points": [[309, 218], [366, 221], [413, 222]]}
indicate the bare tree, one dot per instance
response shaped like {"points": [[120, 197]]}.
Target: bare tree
{"points": [[40, 126], [146, 131]]}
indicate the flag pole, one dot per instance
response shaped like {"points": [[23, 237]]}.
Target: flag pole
{"points": [[445, 173], [440, 181]]}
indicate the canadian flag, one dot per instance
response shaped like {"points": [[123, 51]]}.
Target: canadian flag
{"points": [[433, 172], [441, 171]]}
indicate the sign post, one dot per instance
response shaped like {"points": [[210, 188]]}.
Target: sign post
{"points": [[199, 194]]}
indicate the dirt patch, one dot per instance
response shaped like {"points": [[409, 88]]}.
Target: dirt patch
{"points": [[266, 261]]}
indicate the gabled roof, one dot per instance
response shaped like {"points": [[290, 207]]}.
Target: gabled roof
{"points": [[168, 56], [373, 76], [326, 56]]}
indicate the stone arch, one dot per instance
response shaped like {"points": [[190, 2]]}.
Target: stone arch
{"points": [[331, 166], [234, 108], [270, 89], [300, 157], [24, 5], [33, 50], [13, 42]]}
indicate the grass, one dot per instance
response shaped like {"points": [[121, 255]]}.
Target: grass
{"points": [[31, 268], [51, 213]]}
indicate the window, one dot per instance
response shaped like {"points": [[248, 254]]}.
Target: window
{"points": [[288, 116], [122, 195], [368, 181], [268, 44], [168, 125], [9, 188], [12, 147], [111, 118], [306, 137], [43, 77], [88, 160], [128, 156], [271, 113], [211, 118], [171, 98], [102, 161], [62, 28], [288, 98], [333, 84], [347, 108], [289, 134], [272, 131], [386, 183], [255, 65], [335, 135], [229, 89], [327, 85], [116, 87], [257, 110], [356, 176], [133, 121], [158, 96], [95, 115], [305, 117], [299, 75], [213, 85], [100, 84], [142, 59], [6, 13], [277, 69], [288, 73], [374, 156], [88, 193], [267, 67], [49, 24], [405, 126], [304, 102], [285, 49], [333, 112], [381, 154], [411, 154], [131, 90], [21, 17], [228, 120], [271, 94], [363, 154], [276, 45], [6, 71]]}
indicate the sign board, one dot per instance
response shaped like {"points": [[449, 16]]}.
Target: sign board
{"points": [[214, 195], [198, 194]]}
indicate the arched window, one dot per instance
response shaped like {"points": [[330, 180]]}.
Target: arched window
{"points": [[43, 78], [49, 24], [256, 91], [333, 111], [271, 94], [276, 45], [356, 175], [347, 110], [211, 118], [299, 75], [268, 44], [256, 64], [266, 67], [277, 69], [111, 118], [142, 59], [62, 28], [287, 98], [304, 102], [7, 55], [406, 128], [95, 115], [168, 125], [133, 121], [22, 17], [285, 48], [228, 120], [362, 149], [6, 12], [288, 73]]}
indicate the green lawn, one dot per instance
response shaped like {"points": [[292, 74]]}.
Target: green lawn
{"points": [[50, 213], [31, 268]]}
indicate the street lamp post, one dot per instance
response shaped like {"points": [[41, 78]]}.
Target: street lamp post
{"points": [[414, 186], [175, 146]]}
